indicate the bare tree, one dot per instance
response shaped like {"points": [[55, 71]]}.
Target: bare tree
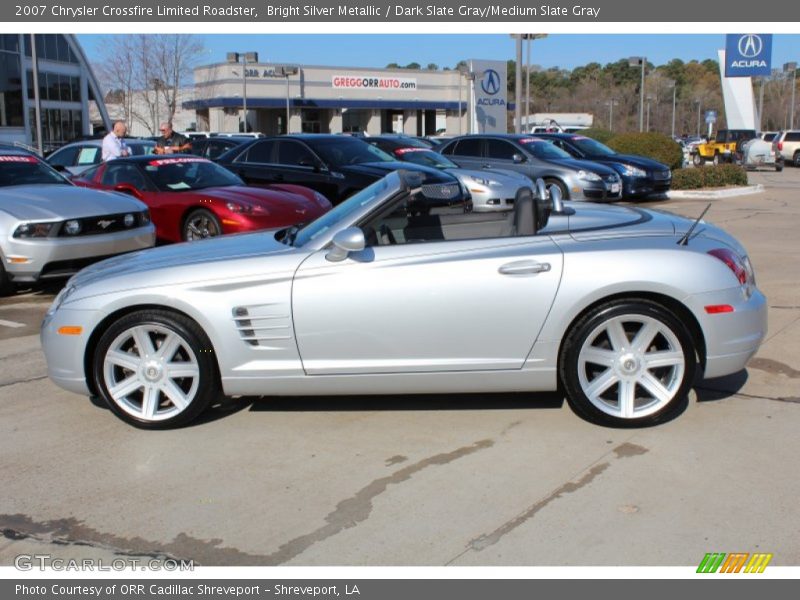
{"points": [[149, 72]]}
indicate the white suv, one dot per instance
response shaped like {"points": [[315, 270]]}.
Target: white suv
{"points": [[787, 145]]}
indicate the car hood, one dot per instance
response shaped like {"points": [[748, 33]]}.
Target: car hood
{"points": [[180, 262], [587, 165], [276, 201], [640, 162], [507, 178], [381, 169], [53, 202]]}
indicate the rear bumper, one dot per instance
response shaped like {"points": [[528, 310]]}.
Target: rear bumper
{"points": [[731, 338]]}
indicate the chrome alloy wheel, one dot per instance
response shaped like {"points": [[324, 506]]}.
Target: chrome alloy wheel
{"points": [[200, 226], [151, 372], [631, 366]]}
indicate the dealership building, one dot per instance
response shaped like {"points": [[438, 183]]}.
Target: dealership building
{"points": [[64, 87], [325, 99]]}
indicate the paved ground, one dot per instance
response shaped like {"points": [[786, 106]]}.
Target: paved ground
{"points": [[461, 480]]}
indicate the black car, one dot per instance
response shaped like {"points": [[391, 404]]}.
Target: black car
{"points": [[641, 176], [335, 165], [214, 147]]}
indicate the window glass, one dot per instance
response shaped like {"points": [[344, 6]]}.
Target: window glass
{"points": [[88, 155], [64, 157], [116, 174], [294, 153], [260, 152], [468, 147], [500, 149]]}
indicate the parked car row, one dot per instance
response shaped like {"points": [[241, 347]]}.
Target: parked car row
{"points": [[262, 182]]}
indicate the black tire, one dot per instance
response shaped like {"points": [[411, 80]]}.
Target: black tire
{"points": [[199, 224], [717, 159], [779, 166], [796, 159], [194, 352], [627, 370], [6, 285], [552, 181], [698, 160]]}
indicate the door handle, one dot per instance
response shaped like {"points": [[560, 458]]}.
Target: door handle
{"points": [[523, 267]]}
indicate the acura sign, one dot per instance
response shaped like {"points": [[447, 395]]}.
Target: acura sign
{"points": [[748, 54], [489, 96]]}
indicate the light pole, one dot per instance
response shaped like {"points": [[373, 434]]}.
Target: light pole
{"points": [[611, 103], [674, 86], [699, 104], [649, 100], [245, 57], [529, 37], [469, 75], [287, 71], [636, 61], [518, 86], [791, 67]]}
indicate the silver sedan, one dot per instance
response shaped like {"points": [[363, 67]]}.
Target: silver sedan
{"points": [[389, 293], [50, 228]]}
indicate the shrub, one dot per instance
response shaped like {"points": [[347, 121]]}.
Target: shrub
{"points": [[652, 145], [705, 177], [597, 133]]}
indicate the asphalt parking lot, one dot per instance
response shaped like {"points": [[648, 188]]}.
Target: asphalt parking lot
{"points": [[504, 479]]}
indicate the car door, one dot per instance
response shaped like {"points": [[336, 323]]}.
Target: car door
{"points": [[466, 152], [424, 305], [301, 166], [500, 155], [257, 165]]}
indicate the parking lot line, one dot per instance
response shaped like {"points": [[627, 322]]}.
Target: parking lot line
{"points": [[13, 324]]}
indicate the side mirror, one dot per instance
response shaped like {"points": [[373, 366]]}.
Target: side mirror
{"points": [[518, 158], [127, 188], [555, 199], [344, 242]]}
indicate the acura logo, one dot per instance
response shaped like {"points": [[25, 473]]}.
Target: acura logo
{"points": [[490, 83], [105, 223], [750, 45]]}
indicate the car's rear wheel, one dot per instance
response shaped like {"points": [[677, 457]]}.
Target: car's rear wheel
{"points": [[796, 159], [698, 160], [628, 363], [200, 224], [717, 158], [779, 166], [155, 369]]}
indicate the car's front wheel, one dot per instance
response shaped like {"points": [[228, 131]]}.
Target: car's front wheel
{"points": [[628, 363], [698, 160], [155, 369], [6, 285], [200, 224]]}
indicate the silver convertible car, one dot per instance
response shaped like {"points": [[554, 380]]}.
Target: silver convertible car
{"points": [[392, 292]]}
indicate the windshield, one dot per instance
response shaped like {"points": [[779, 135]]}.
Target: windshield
{"points": [[27, 170], [343, 151], [180, 174], [373, 193], [542, 149], [425, 157], [591, 147]]}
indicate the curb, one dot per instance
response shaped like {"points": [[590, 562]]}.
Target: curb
{"points": [[713, 194]]}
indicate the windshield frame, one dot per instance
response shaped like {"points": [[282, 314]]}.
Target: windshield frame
{"points": [[318, 233]]}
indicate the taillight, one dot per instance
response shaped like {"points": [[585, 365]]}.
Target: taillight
{"points": [[733, 261], [780, 146]]}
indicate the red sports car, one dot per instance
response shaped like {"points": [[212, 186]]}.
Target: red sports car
{"points": [[192, 198]]}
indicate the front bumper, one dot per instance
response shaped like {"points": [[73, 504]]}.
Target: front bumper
{"points": [[606, 190], [60, 257], [65, 353], [644, 186]]}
